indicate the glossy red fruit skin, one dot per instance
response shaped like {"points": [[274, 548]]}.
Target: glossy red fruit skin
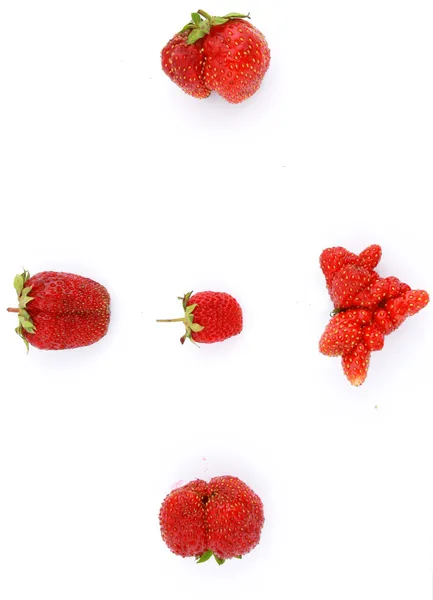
{"points": [[235, 517], [182, 519], [67, 310], [223, 516], [354, 286], [349, 282], [332, 260], [356, 363], [219, 314], [184, 64], [231, 59], [344, 332], [237, 58]]}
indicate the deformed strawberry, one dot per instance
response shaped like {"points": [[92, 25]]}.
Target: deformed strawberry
{"points": [[406, 305], [58, 311], [347, 283], [225, 54], [356, 363], [332, 260], [370, 257], [344, 332], [366, 307], [373, 337], [223, 518], [209, 317]]}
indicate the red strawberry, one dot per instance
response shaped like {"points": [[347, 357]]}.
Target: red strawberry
{"points": [[58, 311], [357, 290], [370, 257], [332, 260], [344, 332], [347, 283], [383, 322], [223, 54], [355, 364], [404, 306], [222, 518], [372, 295], [209, 317], [373, 337]]}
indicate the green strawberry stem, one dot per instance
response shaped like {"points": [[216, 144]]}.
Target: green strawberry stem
{"points": [[171, 320], [205, 15], [25, 322], [198, 28], [187, 319], [207, 555]]}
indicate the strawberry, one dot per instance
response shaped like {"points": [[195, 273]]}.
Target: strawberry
{"points": [[332, 260], [355, 364], [209, 317], [372, 295], [370, 257], [404, 306], [344, 332], [223, 518], [367, 307], [226, 54], [382, 321], [58, 311], [373, 337], [347, 283]]}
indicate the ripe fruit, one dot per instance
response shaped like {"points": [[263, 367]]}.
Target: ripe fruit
{"points": [[222, 518], [367, 307], [209, 317], [356, 363], [226, 54], [58, 311]]}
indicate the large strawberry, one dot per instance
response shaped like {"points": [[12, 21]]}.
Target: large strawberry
{"points": [[209, 317], [367, 307], [58, 311], [223, 518], [226, 54]]}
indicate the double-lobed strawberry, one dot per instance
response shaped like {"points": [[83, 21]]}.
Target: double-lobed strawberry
{"points": [[222, 518], [227, 55], [367, 307], [59, 311], [209, 317]]}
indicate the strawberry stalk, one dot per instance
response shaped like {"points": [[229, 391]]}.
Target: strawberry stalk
{"points": [[25, 322], [199, 27], [187, 320]]}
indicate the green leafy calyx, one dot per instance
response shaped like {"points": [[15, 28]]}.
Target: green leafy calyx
{"points": [[188, 319], [190, 325], [201, 24], [207, 555], [25, 322]]}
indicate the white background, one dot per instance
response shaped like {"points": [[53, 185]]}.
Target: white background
{"points": [[110, 171]]}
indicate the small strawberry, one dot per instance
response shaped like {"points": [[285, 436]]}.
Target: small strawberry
{"points": [[383, 322], [209, 317], [355, 364], [332, 260], [370, 257], [404, 306], [226, 54], [344, 332], [347, 283], [373, 337], [223, 518], [373, 294], [58, 311]]}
